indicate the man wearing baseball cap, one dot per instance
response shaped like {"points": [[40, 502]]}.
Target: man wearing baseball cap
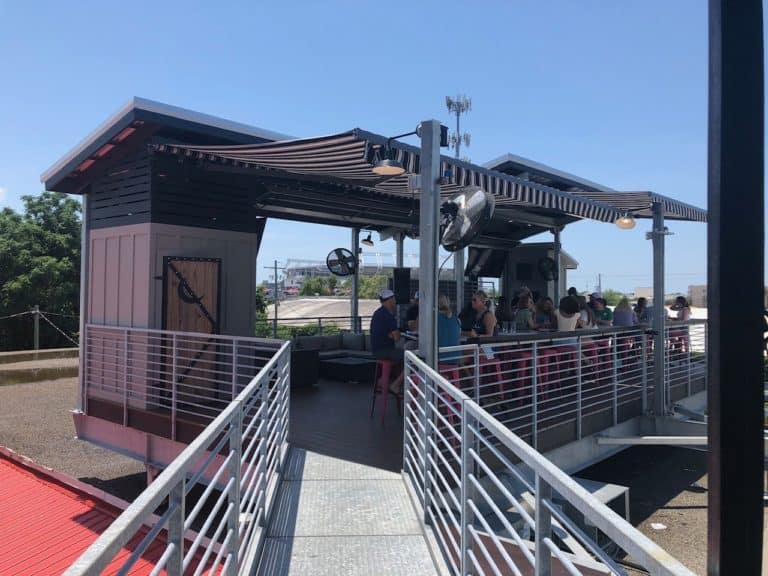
{"points": [[384, 335]]}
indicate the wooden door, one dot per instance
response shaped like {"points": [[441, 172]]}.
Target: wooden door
{"points": [[191, 297]]}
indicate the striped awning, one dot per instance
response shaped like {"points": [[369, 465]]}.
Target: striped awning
{"points": [[640, 204], [347, 158]]}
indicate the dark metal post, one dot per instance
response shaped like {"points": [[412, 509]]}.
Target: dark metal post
{"points": [[277, 303], [557, 292], [353, 304], [429, 210], [659, 311], [735, 272]]}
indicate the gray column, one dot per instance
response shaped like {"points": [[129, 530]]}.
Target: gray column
{"points": [[458, 275], [353, 303], [85, 258], [557, 292], [399, 245], [429, 209], [659, 311]]}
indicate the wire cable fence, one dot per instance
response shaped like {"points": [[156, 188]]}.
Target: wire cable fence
{"points": [[25, 331]]}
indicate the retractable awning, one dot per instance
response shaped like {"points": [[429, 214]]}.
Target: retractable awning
{"points": [[348, 158], [639, 204]]}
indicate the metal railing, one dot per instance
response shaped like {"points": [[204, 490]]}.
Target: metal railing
{"points": [[189, 376], [494, 504], [583, 381], [311, 325], [207, 511]]}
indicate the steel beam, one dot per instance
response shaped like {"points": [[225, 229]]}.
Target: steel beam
{"points": [[459, 264], [353, 302], [735, 272], [429, 229], [659, 311], [652, 441]]}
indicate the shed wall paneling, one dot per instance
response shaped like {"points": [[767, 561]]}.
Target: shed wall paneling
{"points": [[237, 251], [119, 276]]}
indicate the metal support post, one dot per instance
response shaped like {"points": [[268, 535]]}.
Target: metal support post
{"points": [[644, 369], [735, 245], [234, 369], [84, 310], [233, 520], [557, 248], [427, 435], [534, 399], [543, 523], [578, 388], [615, 394], [429, 230], [175, 565], [126, 366], [476, 362], [659, 311], [467, 516], [174, 392], [399, 249], [353, 303], [458, 276]]}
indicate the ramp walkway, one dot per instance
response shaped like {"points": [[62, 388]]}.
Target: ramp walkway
{"points": [[338, 517]]}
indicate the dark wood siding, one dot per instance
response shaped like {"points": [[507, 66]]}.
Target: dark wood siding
{"points": [[186, 195], [122, 195]]}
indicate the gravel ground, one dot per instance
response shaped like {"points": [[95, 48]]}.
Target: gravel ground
{"points": [[35, 421]]}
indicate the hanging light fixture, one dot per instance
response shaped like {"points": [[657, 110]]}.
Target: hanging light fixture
{"points": [[387, 166], [367, 241], [626, 221]]}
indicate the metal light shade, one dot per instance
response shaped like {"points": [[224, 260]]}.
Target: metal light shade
{"points": [[367, 241], [387, 167], [625, 222]]}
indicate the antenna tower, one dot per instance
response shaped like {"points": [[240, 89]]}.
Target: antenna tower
{"points": [[458, 105]]}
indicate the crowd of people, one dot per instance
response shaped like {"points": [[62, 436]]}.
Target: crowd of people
{"points": [[526, 311]]}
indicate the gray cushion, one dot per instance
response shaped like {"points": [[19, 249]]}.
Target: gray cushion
{"points": [[309, 342], [351, 341], [332, 342], [367, 341]]}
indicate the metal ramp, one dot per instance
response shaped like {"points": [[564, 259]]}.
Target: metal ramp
{"points": [[337, 517]]}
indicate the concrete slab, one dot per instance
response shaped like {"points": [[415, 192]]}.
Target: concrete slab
{"points": [[306, 465]]}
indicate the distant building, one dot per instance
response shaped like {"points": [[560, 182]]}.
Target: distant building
{"points": [[643, 292], [697, 295]]}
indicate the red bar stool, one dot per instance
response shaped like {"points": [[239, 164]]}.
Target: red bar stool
{"points": [[492, 367], [520, 366], [381, 381]]}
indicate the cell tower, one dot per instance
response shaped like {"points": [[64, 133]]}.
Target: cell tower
{"points": [[459, 105]]}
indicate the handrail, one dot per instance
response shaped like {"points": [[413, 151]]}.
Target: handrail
{"points": [[124, 528], [445, 469]]}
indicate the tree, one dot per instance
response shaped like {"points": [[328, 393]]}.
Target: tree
{"points": [[370, 286], [612, 297], [314, 285], [40, 264]]}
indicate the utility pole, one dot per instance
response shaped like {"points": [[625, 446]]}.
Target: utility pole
{"points": [[459, 105], [275, 268], [600, 284]]}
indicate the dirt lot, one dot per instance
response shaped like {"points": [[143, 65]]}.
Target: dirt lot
{"points": [[35, 421]]}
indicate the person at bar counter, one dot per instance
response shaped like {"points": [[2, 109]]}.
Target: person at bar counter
{"points": [[412, 314], [448, 331], [504, 314], [642, 311], [385, 334], [603, 314], [484, 323], [524, 318], [623, 315], [567, 314], [545, 313], [586, 315]]}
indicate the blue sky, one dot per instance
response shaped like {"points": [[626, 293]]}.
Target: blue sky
{"points": [[615, 92]]}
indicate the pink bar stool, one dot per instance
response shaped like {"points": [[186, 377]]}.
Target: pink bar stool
{"points": [[381, 386], [492, 367]]}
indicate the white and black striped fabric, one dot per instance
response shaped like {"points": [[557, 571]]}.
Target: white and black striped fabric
{"points": [[640, 204], [348, 158]]}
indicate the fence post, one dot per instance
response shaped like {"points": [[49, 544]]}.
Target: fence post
{"points": [[644, 368], [615, 394], [174, 394], [466, 492], [320, 326], [176, 530], [578, 388], [236, 450], [36, 323], [234, 369], [543, 523], [427, 435], [534, 398], [476, 361], [126, 366]]}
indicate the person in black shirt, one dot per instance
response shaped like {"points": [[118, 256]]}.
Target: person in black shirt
{"points": [[412, 314], [385, 333]]}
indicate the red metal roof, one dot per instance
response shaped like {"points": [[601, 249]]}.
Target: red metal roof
{"points": [[46, 524]]}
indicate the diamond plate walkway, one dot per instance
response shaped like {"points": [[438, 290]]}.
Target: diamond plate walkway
{"points": [[337, 517]]}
